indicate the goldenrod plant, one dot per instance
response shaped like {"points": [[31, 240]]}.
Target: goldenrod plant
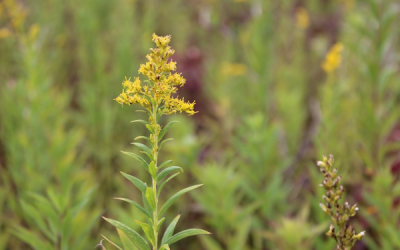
{"points": [[294, 232], [47, 190], [333, 58], [156, 96], [341, 231]]}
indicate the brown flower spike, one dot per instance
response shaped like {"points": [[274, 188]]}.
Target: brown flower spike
{"points": [[341, 231]]}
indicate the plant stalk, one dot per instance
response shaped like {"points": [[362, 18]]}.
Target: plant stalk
{"points": [[154, 181]]}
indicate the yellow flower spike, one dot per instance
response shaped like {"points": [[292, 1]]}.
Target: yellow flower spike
{"points": [[333, 59], [157, 91], [4, 33], [302, 17], [33, 31]]}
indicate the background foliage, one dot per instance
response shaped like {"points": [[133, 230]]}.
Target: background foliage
{"points": [[267, 112]]}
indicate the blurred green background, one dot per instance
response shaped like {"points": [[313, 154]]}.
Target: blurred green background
{"points": [[267, 112]]}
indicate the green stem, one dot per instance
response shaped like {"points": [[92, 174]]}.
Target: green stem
{"points": [[154, 181]]}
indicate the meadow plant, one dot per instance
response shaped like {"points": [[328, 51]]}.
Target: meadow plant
{"points": [[345, 235], [156, 96]]}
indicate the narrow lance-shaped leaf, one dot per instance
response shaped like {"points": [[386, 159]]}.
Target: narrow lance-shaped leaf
{"points": [[40, 221], [142, 161], [176, 196], [165, 247], [152, 169], [151, 199], [170, 230], [135, 181], [136, 205], [160, 222], [167, 171], [165, 129], [141, 121], [145, 138], [165, 182], [132, 235], [126, 242], [31, 238], [145, 149], [162, 143], [148, 231], [165, 163], [150, 128], [147, 207], [184, 234]]}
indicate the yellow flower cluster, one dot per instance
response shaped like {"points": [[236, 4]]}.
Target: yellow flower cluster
{"points": [[162, 83], [233, 69], [333, 58], [13, 18], [302, 17], [133, 92], [14, 12]]}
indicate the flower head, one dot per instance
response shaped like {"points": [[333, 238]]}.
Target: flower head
{"points": [[302, 18], [158, 91], [333, 58]]}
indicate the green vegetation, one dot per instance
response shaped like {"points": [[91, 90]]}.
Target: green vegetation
{"points": [[277, 84]]}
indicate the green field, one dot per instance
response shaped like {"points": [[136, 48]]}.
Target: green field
{"points": [[277, 85]]}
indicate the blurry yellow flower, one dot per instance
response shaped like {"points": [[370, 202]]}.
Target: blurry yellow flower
{"points": [[161, 85], [333, 58], [234, 69], [33, 32], [348, 4], [16, 13], [4, 33], [302, 17]]}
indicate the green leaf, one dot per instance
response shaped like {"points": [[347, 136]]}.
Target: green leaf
{"points": [[167, 171], [165, 129], [165, 163], [170, 230], [55, 199], [145, 149], [144, 137], [136, 205], [126, 242], [47, 208], [151, 199], [140, 121], [147, 206], [34, 214], [31, 238], [152, 169], [164, 247], [162, 143], [135, 181], [176, 196], [165, 182], [184, 234], [148, 231], [142, 161], [150, 128], [132, 235], [160, 222]]}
